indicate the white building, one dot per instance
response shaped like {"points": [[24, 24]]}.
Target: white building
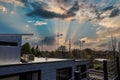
{"points": [[40, 69]]}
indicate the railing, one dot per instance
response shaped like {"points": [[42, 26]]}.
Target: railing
{"points": [[112, 69], [109, 71], [96, 74]]}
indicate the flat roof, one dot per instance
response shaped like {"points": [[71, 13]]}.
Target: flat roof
{"points": [[41, 60], [101, 59], [37, 60], [30, 34], [48, 60]]}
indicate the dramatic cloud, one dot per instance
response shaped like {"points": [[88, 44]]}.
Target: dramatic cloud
{"points": [[51, 15], [95, 43], [115, 12], [102, 38], [110, 22], [65, 4], [82, 11], [109, 17], [107, 33], [107, 8], [43, 10], [45, 14]]}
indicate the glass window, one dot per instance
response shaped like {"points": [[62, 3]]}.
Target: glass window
{"points": [[10, 78], [31, 76], [64, 73], [82, 69], [35, 75], [4, 43]]}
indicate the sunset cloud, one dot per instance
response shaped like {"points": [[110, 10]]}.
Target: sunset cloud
{"points": [[81, 11], [3, 9], [93, 21], [74, 10], [110, 22], [47, 11], [102, 38], [15, 2]]}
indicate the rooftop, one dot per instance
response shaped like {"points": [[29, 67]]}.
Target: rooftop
{"points": [[41, 60], [101, 59], [48, 60]]}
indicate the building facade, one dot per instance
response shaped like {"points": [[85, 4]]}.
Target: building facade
{"points": [[10, 48], [41, 68]]}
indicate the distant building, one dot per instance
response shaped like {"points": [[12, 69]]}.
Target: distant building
{"points": [[11, 68], [10, 48]]}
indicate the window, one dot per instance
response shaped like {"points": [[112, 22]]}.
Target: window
{"points": [[4, 43], [64, 73], [30, 75], [82, 69], [33, 75], [10, 78]]}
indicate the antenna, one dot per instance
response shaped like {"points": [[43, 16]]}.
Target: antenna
{"points": [[81, 44], [70, 45]]}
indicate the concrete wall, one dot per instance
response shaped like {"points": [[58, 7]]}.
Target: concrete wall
{"points": [[10, 54]]}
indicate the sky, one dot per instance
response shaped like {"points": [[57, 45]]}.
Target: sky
{"points": [[58, 22]]}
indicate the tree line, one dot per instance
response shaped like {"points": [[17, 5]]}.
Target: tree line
{"points": [[62, 52]]}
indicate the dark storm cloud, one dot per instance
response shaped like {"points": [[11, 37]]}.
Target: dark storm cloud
{"points": [[74, 5], [39, 10], [44, 14], [48, 40], [107, 8], [115, 12], [74, 9]]}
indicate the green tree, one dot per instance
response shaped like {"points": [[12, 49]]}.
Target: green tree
{"points": [[26, 49], [60, 52], [37, 51], [76, 54], [33, 50], [62, 48]]}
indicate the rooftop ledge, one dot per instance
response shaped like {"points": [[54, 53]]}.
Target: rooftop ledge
{"points": [[42, 60], [30, 34]]}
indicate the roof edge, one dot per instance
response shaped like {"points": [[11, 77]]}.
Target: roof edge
{"points": [[27, 34]]}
